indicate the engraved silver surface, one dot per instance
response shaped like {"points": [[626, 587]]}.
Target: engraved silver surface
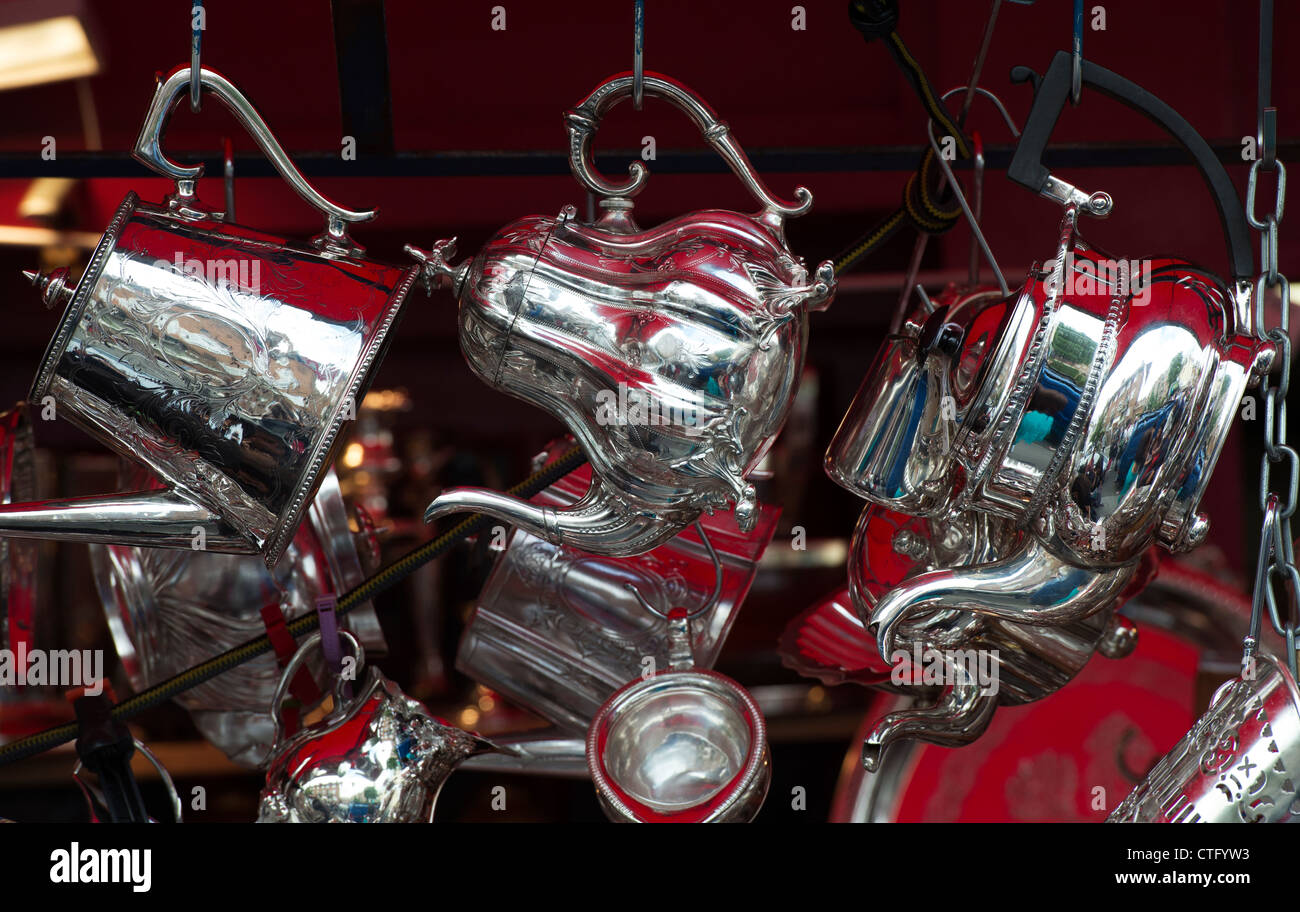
{"points": [[222, 358], [672, 354], [556, 630], [1240, 763]]}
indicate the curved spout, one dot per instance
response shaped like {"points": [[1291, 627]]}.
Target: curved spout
{"points": [[600, 522], [961, 715], [155, 519], [1033, 587]]}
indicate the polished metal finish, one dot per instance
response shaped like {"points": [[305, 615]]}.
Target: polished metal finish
{"points": [[168, 610], [682, 745], [534, 754], [672, 354], [224, 359], [378, 758], [557, 630], [1238, 764], [1077, 421], [148, 151], [1090, 416]]}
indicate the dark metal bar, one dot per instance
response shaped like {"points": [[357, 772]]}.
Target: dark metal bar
{"points": [[361, 46], [526, 163]]}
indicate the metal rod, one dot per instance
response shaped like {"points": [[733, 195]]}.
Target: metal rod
{"points": [[533, 162]]}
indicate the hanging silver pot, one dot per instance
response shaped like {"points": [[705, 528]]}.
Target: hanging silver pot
{"points": [[378, 757], [672, 354], [223, 358]]}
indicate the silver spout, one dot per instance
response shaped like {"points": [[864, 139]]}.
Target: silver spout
{"points": [[1033, 587], [961, 715], [599, 522], [436, 271], [158, 519]]}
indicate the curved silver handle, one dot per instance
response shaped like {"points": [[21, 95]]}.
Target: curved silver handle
{"points": [[148, 151], [583, 120], [291, 668]]}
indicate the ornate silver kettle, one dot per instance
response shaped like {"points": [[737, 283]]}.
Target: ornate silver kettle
{"points": [[378, 757], [672, 354], [1084, 413], [222, 358]]}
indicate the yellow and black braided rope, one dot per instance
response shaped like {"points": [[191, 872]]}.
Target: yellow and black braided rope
{"points": [[306, 624]]}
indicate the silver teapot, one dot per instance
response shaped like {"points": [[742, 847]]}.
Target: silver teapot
{"points": [[1083, 414], [378, 757], [672, 354], [224, 359]]}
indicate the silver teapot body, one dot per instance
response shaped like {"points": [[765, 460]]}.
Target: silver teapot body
{"points": [[1088, 414], [672, 354]]}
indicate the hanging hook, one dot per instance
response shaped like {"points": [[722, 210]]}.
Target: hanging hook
{"points": [[717, 583], [638, 54], [971, 216], [196, 47], [1076, 70]]}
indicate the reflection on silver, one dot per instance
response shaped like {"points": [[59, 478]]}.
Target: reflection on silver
{"points": [[379, 758], [1238, 764], [682, 745], [1079, 419], [672, 354], [222, 358], [169, 610], [557, 630]]}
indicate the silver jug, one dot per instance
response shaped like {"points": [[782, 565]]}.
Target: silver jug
{"points": [[168, 610], [224, 359], [379, 757], [673, 354], [557, 630]]}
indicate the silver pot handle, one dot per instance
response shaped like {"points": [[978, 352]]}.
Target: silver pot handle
{"points": [[583, 120], [148, 151], [291, 668]]}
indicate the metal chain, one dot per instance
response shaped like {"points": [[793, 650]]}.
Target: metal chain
{"points": [[1276, 567]]}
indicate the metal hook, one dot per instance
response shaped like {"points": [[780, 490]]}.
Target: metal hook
{"points": [[971, 217], [196, 46], [638, 53], [1076, 65], [717, 583]]}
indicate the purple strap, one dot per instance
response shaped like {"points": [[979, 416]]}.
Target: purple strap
{"points": [[331, 642]]}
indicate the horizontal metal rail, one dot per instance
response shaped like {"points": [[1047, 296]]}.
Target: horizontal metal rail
{"points": [[527, 163]]}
